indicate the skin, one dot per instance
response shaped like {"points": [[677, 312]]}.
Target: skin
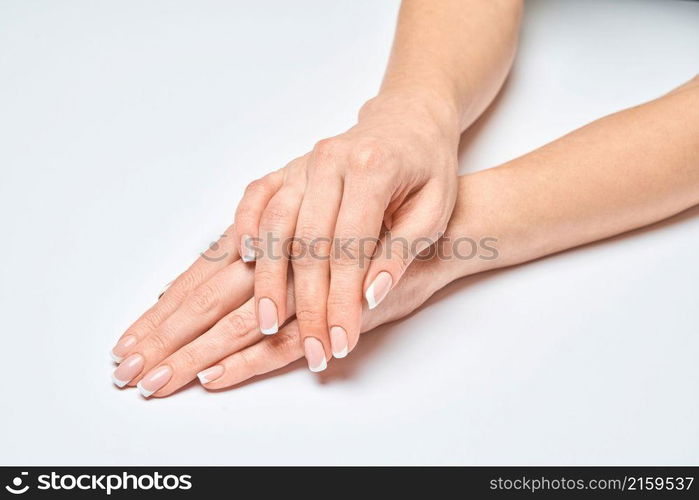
{"points": [[619, 173], [397, 165]]}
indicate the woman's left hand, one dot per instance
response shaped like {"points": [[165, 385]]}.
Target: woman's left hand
{"points": [[204, 324]]}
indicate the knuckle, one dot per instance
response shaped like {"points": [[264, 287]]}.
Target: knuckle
{"points": [[328, 149], [313, 255], [307, 231], [298, 251], [370, 154], [187, 281], [257, 186], [230, 231], [267, 278], [245, 214], [175, 294], [204, 299], [158, 343], [350, 226], [247, 361], [346, 252], [238, 324], [150, 321], [189, 357], [309, 315], [276, 215], [320, 248], [235, 326], [342, 301], [307, 246]]}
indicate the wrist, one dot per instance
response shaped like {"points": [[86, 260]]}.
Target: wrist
{"points": [[477, 234], [423, 105]]}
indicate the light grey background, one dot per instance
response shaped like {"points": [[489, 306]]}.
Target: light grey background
{"points": [[127, 133]]}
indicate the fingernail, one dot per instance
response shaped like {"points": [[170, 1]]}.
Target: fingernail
{"points": [[378, 290], [247, 252], [165, 289], [154, 381], [388, 221], [127, 370], [338, 341], [122, 348], [210, 374], [267, 316], [315, 354]]}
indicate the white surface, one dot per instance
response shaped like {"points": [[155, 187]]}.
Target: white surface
{"points": [[127, 133]]}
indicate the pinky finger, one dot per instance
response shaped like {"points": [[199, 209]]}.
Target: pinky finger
{"points": [[269, 354]]}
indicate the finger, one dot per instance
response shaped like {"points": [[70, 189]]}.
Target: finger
{"points": [[277, 351], [310, 253], [219, 255], [209, 302], [356, 234], [247, 215], [270, 353], [417, 224], [276, 230], [232, 333], [235, 331]]}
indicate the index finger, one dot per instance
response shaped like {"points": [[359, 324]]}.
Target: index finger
{"points": [[219, 254]]}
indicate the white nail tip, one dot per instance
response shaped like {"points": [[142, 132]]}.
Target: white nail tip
{"points": [[119, 383], [115, 358], [340, 354], [270, 331], [370, 299], [202, 378], [246, 253], [322, 366], [144, 392]]}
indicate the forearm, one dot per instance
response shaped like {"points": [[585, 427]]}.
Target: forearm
{"points": [[619, 173], [454, 54]]}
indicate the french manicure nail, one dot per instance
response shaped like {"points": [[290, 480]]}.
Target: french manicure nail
{"points": [[247, 252], [122, 348], [267, 316], [210, 374], [378, 289], [315, 354], [154, 380], [127, 370], [338, 341], [164, 289]]}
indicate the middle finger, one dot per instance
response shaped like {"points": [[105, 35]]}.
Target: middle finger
{"points": [[215, 298], [310, 254]]}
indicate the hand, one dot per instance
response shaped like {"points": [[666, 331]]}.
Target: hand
{"points": [[396, 166], [576, 190], [204, 324]]}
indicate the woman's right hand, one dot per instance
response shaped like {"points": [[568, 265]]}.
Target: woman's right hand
{"points": [[205, 322], [324, 212]]}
